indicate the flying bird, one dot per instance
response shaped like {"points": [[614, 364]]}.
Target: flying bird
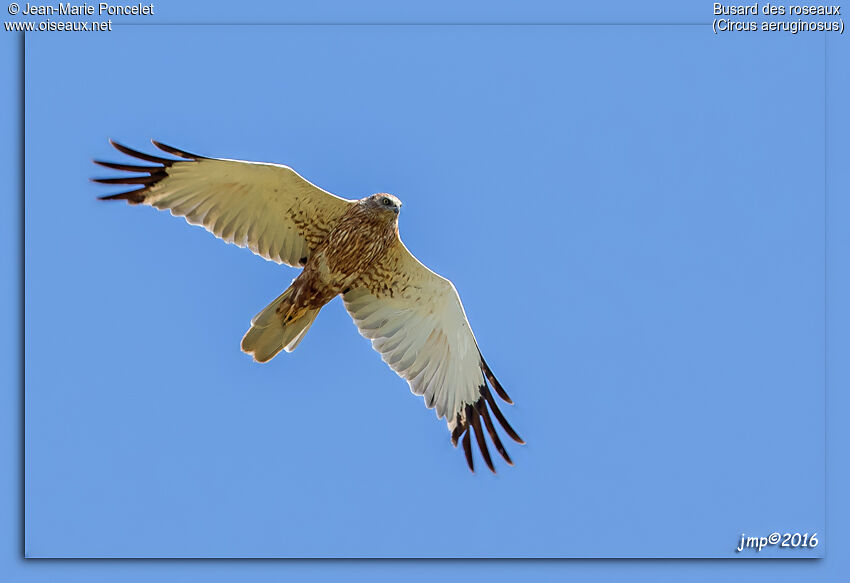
{"points": [[413, 317]]}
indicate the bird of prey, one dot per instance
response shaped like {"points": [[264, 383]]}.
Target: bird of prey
{"points": [[413, 316]]}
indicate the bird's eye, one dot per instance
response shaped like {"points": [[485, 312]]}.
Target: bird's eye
{"points": [[386, 202]]}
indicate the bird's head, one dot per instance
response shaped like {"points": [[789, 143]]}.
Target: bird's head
{"points": [[382, 202]]}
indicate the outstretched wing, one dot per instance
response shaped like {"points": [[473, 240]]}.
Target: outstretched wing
{"points": [[268, 208], [415, 320]]}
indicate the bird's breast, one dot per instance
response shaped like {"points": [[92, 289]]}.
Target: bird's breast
{"points": [[352, 247]]}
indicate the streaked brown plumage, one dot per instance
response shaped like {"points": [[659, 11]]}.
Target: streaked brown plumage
{"points": [[362, 235], [413, 317]]}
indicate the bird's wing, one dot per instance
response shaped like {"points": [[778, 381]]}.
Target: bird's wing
{"points": [[415, 320], [268, 208]]}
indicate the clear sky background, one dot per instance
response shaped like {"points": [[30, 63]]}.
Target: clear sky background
{"points": [[633, 216]]}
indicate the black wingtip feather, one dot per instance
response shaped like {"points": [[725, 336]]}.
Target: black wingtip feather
{"points": [[149, 179], [127, 167], [132, 197], [469, 420], [458, 430], [481, 405], [494, 382], [140, 155], [472, 414], [467, 450], [499, 417], [175, 151], [151, 175]]}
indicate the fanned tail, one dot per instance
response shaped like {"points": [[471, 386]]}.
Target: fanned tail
{"points": [[275, 328]]}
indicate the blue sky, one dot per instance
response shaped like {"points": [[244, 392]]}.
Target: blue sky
{"points": [[633, 216]]}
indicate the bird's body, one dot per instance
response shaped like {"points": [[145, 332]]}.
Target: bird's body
{"points": [[352, 248], [360, 237]]}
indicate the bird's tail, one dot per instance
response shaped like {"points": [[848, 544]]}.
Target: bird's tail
{"points": [[276, 328]]}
